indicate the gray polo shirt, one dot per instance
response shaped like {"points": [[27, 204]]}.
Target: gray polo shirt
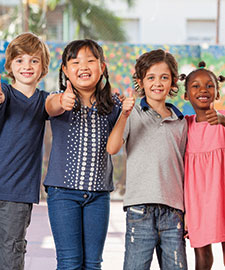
{"points": [[155, 150]]}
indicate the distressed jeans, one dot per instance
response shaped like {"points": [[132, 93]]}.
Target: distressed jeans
{"points": [[79, 223], [14, 221], [154, 226]]}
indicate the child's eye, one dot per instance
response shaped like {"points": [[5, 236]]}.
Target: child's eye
{"points": [[18, 60], [165, 77], [211, 86], [35, 61], [150, 77], [91, 60], [195, 86]]}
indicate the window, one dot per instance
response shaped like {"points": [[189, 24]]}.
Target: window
{"points": [[201, 31]]}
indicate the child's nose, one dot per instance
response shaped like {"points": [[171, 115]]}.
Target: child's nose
{"points": [[157, 82], [202, 89], [26, 65], [83, 65]]}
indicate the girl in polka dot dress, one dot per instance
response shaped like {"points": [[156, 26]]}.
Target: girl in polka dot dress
{"points": [[79, 177]]}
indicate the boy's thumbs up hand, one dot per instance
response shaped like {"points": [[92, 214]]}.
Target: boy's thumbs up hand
{"points": [[67, 99], [128, 105], [2, 95], [213, 116]]}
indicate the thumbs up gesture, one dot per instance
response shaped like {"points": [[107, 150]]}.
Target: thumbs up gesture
{"points": [[213, 116], [68, 98], [2, 95], [128, 105]]}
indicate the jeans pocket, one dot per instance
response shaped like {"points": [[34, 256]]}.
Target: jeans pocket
{"points": [[20, 246], [136, 213], [52, 191], [179, 213]]}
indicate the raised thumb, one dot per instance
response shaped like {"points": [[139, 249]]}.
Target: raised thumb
{"points": [[211, 106], [69, 88]]}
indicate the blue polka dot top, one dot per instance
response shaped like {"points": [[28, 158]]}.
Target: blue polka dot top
{"points": [[78, 158]]}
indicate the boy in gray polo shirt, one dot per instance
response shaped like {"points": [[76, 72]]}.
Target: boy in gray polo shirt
{"points": [[154, 133]]}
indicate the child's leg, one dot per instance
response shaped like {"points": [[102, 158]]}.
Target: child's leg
{"points": [[14, 220], [141, 237], [172, 243], [65, 214], [95, 224], [203, 258], [223, 247]]}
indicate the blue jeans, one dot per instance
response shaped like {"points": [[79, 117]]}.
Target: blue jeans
{"points": [[154, 226], [79, 222]]}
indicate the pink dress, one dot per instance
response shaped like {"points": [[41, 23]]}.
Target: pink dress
{"points": [[205, 182]]}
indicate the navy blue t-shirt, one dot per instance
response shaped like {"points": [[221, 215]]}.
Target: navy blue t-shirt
{"points": [[79, 159], [22, 124]]}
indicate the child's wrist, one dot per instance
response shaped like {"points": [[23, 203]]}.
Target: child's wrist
{"points": [[60, 99]]}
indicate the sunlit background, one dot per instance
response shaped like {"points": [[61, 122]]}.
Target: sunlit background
{"points": [[192, 30]]}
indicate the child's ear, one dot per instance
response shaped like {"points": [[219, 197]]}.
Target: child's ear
{"points": [[186, 96], [140, 83], [64, 69], [218, 95], [103, 66]]}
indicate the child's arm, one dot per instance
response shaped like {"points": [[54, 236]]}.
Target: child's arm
{"points": [[115, 140], [2, 95], [57, 104], [214, 117]]}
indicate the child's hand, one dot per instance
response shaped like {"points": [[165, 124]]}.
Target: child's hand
{"points": [[186, 235], [67, 99], [121, 97], [128, 105], [213, 116], [2, 95]]}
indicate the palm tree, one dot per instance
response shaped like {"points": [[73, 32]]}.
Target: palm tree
{"points": [[93, 20]]}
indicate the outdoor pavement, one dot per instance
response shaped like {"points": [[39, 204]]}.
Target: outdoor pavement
{"points": [[41, 251]]}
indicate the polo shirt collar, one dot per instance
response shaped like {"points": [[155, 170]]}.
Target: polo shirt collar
{"points": [[145, 107]]}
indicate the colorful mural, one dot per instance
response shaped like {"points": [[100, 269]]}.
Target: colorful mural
{"points": [[121, 58]]}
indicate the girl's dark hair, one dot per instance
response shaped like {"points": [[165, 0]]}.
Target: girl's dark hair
{"points": [[148, 59], [201, 66], [103, 95]]}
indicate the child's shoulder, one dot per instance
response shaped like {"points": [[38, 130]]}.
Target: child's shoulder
{"points": [[222, 111], [6, 86], [42, 92], [116, 100]]}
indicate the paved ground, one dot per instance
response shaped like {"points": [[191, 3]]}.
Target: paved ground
{"points": [[41, 252]]}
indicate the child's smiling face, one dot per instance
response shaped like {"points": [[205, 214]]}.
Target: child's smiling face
{"points": [[157, 82], [201, 90], [84, 71]]}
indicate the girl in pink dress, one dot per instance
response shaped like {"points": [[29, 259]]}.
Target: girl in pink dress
{"points": [[204, 166]]}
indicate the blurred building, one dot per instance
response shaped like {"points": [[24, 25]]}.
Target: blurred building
{"points": [[147, 22], [172, 21]]}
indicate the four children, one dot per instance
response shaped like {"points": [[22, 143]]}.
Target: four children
{"points": [[154, 133]]}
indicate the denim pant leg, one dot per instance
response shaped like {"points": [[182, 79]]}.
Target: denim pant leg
{"points": [[65, 215], [95, 224], [141, 238], [79, 230], [14, 221], [171, 249]]}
